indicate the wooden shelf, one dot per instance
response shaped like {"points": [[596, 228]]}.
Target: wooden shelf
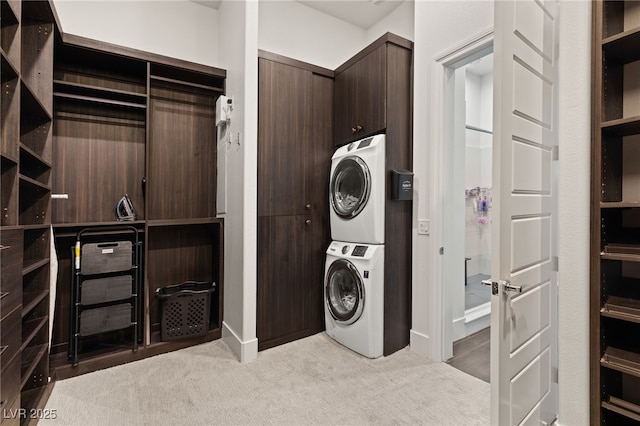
{"points": [[93, 99], [33, 183], [183, 222], [8, 71], [69, 88], [622, 361], [625, 257], [621, 308], [31, 357], [188, 84], [33, 327], [33, 265], [8, 15], [623, 126], [619, 204], [33, 107], [34, 156], [623, 47], [31, 300], [622, 407]]}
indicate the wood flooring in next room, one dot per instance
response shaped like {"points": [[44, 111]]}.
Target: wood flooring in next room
{"points": [[472, 354]]}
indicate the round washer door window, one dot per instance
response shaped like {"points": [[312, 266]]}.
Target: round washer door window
{"points": [[350, 187], [344, 291]]}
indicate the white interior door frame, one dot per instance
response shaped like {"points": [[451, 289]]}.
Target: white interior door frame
{"points": [[442, 105]]}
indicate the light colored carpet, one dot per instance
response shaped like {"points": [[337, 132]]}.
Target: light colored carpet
{"points": [[309, 381]]}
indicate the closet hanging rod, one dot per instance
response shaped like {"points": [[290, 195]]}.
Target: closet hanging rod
{"points": [[478, 129]]}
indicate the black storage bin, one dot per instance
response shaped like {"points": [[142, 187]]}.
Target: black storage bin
{"points": [[185, 309]]}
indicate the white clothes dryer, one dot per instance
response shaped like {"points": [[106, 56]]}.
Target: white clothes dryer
{"points": [[354, 296], [357, 191]]}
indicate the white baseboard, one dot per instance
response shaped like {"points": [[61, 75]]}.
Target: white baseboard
{"points": [[458, 329], [244, 351], [420, 343], [477, 318]]}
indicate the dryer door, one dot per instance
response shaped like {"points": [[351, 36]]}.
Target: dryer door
{"points": [[350, 187], [344, 292]]}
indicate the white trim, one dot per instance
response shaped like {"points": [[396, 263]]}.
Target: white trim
{"points": [[419, 343], [477, 312], [244, 351], [459, 329], [441, 346]]}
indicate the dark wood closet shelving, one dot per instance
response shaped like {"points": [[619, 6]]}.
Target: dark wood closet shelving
{"points": [[33, 265], [8, 70], [615, 214], [218, 90], [32, 157], [33, 105], [31, 300], [31, 328]]}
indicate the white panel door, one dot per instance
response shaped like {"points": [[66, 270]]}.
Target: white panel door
{"points": [[523, 316]]}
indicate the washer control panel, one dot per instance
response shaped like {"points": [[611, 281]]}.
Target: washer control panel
{"points": [[359, 251]]}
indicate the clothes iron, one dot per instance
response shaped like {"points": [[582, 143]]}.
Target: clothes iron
{"points": [[125, 210]]}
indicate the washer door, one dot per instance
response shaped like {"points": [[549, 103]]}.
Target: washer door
{"points": [[344, 292], [350, 187]]}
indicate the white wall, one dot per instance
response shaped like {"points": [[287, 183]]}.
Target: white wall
{"points": [[574, 195], [399, 22], [439, 26], [298, 31], [179, 29], [238, 50]]}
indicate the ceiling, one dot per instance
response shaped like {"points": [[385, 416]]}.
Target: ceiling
{"points": [[362, 13]]}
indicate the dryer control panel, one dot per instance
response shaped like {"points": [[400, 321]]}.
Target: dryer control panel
{"points": [[359, 251]]}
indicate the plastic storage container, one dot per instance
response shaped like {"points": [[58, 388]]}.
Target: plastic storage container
{"points": [[185, 309]]}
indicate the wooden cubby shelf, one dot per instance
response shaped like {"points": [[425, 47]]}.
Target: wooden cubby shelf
{"points": [[33, 265], [33, 156], [34, 184], [31, 357], [31, 300], [31, 328], [8, 70], [620, 406], [622, 47], [622, 308], [9, 16], [623, 126], [620, 360], [619, 204], [32, 105]]}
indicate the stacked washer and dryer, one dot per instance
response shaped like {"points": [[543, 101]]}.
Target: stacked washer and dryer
{"points": [[354, 269]]}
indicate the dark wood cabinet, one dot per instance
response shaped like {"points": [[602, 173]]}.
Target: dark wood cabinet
{"points": [[615, 216], [26, 106], [294, 150], [360, 96]]}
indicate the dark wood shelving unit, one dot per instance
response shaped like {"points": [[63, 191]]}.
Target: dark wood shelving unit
{"points": [[129, 108], [615, 229]]}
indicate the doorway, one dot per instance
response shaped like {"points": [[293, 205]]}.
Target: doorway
{"points": [[467, 202]]}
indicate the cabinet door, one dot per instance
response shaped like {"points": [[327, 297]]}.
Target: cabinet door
{"points": [[283, 291], [346, 102], [372, 97], [284, 109], [361, 98]]}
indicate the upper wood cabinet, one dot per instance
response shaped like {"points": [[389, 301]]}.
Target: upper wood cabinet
{"points": [[362, 89], [360, 97]]}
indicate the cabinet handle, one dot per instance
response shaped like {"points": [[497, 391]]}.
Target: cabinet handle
{"points": [[308, 206], [358, 127], [353, 130], [307, 222]]}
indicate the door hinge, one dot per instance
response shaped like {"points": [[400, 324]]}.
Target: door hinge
{"points": [[555, 265], [554, 375], [555, 154]]}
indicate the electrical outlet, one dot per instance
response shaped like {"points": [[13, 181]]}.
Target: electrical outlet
{"points": [[423, 226]]}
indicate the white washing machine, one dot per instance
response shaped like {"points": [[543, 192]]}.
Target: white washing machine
{"points": [[357, 191], [354, 296]]}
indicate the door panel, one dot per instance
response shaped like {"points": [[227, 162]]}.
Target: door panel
{"points": [[284, 99], [372, 79], [346, 103], [524, 325], [282, 287]]}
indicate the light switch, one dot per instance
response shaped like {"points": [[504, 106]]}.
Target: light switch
{"points": [[423, 226]]}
